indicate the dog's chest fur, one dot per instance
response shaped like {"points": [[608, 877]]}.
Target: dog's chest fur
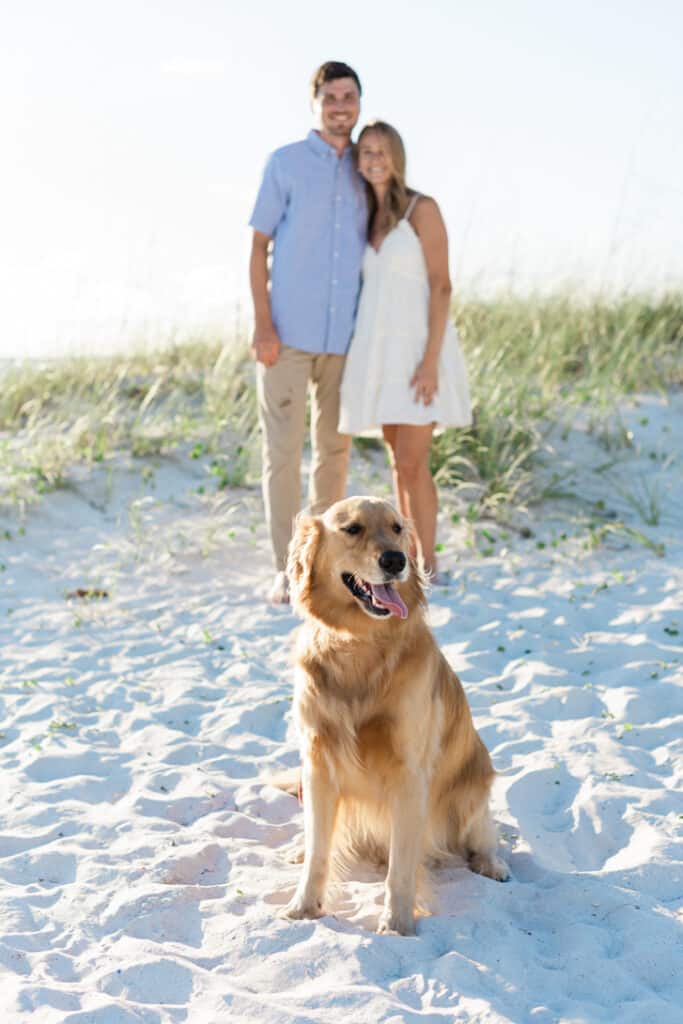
{"points": [[355, 673], [348, 696]]}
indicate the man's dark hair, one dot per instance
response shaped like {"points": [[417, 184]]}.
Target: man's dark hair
{"points": [[330, 70]]}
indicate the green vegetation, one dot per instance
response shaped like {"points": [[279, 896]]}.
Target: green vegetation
{"points": [[59, 413], [531, 363]]}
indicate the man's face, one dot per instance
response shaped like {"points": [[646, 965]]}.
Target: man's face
{"points": [[337, 107]]}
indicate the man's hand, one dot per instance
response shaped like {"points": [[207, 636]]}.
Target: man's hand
{"points": [[266, 345]]}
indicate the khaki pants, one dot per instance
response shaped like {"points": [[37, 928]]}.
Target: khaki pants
{"points": [[282, 390]]}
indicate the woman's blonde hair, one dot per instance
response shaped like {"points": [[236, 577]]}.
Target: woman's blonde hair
{"points": [[396, 198]]}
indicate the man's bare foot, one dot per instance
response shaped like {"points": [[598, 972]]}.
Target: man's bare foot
{"points": [[279, 591]]}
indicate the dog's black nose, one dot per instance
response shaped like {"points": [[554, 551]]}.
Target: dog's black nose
{"points": [[393, 562]]}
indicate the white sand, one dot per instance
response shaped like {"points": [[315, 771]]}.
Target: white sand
{"points": [[142, 863]]}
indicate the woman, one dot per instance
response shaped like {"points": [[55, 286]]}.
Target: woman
{"points": [[405, 371]]}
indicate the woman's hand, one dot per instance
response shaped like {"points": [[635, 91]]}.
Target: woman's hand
{"points": [[425, 380]]}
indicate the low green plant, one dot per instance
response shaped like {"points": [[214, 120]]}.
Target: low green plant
{"points": [[58, 413], [531, 362]]}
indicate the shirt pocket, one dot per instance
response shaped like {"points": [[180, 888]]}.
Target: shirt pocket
{"points": [[313, 193]]}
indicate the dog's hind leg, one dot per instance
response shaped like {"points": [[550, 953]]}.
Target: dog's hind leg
{"points": [[481, 841], [288, 779]]}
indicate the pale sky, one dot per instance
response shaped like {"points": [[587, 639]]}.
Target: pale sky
{"points": [[135, 132]]}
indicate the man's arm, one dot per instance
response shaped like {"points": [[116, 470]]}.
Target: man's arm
{"points": [[265, 342]]}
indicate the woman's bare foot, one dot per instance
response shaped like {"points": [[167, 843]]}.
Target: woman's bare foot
{"points": [[437, 578], [279, 591]]}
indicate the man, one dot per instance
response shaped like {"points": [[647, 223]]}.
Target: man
{"points": [[311, 207]]}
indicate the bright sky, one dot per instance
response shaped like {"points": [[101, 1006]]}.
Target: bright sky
{"points": [[135, 132]]}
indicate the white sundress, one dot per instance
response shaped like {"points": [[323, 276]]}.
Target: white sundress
{"points": [[389, 342]]}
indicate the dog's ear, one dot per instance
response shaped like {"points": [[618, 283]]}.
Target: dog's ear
{"points": [[303, 548], [418, 579], [418, 582]]}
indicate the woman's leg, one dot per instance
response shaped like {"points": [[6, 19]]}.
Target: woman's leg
{"points": [[390, 432], [410, 447]]}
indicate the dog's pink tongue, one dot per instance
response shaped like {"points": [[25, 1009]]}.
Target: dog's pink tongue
{"points": [[389, 598]]}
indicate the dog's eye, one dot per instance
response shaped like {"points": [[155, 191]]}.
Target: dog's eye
{"points": [[352, 528], [397, 528]]}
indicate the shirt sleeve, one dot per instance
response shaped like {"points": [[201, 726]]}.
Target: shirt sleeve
{"points": [[271, 201]]}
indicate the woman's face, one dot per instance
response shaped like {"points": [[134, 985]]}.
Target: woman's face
{"points": [[374, 159]]}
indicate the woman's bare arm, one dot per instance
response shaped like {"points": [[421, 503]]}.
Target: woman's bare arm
{"points": [[431, 230]]}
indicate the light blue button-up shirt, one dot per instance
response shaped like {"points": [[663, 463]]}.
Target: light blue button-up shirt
{"points": [[312, 203]]}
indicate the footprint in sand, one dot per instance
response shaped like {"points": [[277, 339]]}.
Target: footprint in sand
{"points": [[654, 705], [151, 982], [206, 865], [570, 824], [267, 719], [52, 767], [37, 998], [192, 753], [541, 802], [47, 868]]}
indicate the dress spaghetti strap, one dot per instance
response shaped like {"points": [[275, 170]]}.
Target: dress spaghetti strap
{"points": [[411, 206]]}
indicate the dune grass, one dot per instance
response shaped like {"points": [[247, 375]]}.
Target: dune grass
{"points": [[531, 362], [53, 415]]}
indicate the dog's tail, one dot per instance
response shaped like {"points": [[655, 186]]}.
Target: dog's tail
{"points": [[288, 779]]}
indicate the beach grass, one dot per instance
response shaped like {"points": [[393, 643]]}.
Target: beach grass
{"points": [[56, 414], [532, 362]]}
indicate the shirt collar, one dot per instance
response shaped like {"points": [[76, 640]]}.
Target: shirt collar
{"points": [[322, 148]]}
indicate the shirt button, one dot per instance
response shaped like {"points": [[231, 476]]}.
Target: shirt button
{"points": [[337, 225]]}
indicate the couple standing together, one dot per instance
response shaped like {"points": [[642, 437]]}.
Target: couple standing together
{"points": [[338, 216]]}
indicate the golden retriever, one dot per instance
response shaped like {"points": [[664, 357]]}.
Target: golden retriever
{"points": [[392, 766]]}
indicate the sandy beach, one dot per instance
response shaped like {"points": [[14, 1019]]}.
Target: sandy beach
{"points": [[145, 688]]}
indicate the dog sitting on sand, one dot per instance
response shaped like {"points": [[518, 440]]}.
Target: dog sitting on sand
{"points": [[392, 766]]}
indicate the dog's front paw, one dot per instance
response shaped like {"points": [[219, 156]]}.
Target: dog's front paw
{"points": [[394, 922], [300, 907]]}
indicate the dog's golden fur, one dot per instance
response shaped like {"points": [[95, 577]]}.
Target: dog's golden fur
{"points": [[392, 765]]}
